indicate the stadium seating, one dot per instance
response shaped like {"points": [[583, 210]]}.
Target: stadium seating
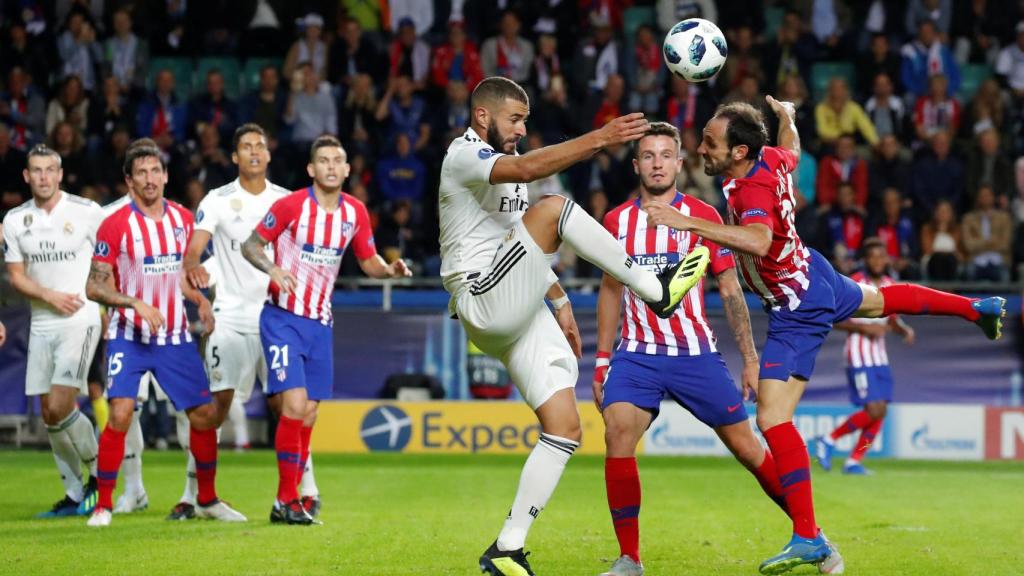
{"points": [[228, 67], [182, 69], [971, 77], [251, 71]]}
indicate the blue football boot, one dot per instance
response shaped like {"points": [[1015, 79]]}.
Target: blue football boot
{"points": [[856, 469], [823, 452], [992, 311], [798, 551]]}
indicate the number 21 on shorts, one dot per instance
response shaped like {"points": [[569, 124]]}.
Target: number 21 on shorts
{"points": [[279, 360]]}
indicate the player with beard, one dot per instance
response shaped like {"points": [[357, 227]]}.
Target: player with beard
{"points": [[803, 295], [497, 245]]}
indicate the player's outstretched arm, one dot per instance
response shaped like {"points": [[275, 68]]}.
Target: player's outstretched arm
{"points": [[100, 288], [376, 267], [738, 315], [195, 273], [788, 138], [609, 306], [538, 164], [66, 304], [254, 250], [755, 239]]}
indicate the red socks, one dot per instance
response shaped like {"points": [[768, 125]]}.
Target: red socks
{"points": [[307, 432], [916, 300], [794, 467], [865, 440], [855, 422], [111, 452], [768, 477], [622, 480], [203, 445], [288, 443]]}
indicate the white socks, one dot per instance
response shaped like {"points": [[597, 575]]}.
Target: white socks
{"points": [[131, 466], [540, 476], [66, 456], [239, 426], [83, 437], [308, 485], [593, 242]]}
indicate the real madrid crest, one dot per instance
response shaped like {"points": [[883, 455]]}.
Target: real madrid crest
{"points": [[216, 376], [236, 204], [68, 229], [27, 221]]}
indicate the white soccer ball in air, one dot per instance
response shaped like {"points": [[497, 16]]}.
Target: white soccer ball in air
{"points": [[695, 50]]}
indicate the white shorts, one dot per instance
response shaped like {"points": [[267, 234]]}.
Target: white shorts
{"points": [[503, 311], [234, 360], [60, 357], [158, 393]]}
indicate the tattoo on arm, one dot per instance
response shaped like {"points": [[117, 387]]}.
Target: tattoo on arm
{"points": [[253, 251], [100, 287], [738, 315]]}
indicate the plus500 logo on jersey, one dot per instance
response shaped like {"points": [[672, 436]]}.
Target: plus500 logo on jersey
{"points": [[165, 264], [659, 260]]}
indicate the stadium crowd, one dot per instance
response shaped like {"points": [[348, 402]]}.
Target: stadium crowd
{"points": [[911, 111]]}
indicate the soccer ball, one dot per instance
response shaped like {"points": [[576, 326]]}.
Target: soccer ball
{"points": [[695, 50]]}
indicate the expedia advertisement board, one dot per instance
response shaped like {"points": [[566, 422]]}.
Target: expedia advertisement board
{"points": [[440, 427]]}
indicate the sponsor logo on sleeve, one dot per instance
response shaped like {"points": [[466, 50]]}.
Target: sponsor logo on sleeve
{"points": [[722, 252]]}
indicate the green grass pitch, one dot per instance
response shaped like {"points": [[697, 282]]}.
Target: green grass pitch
{"points": [[404, 514]]}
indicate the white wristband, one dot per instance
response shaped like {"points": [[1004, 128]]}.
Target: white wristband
{"points": [[559, 303], [599, 362]]}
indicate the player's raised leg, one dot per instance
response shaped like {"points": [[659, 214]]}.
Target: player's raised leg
{"points": [[875, 412], [911, 299]]}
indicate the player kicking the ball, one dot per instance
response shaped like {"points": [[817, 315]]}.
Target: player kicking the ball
{"points": [[803, 294], [136, 271], [867, 367], [48, 243], [674, 356], [497, 244], [310, 230]]}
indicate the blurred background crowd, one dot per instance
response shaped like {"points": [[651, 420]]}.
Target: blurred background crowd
{"points": [[911, 112]]}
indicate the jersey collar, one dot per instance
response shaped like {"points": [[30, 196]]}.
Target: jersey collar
{"points": [[677, 199]]}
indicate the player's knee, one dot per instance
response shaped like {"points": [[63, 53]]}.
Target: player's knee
{"points": [[877, 410], [568, 428], [768, 419], [121, 412], [203, 417], [620, 439]]}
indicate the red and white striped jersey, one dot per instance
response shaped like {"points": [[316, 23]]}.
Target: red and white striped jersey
{"points": [[765, 196], [309, 242], [864, 351], [687, 332], [146, 255]]}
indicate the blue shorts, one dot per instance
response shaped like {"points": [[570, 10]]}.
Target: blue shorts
{"points": [[299, 353], [869, 384], [796, 336], [701, 384], [177, 367]]}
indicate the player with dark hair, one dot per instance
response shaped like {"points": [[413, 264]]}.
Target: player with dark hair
{"points": [[803, 294], [867, 367], [310, 230]]}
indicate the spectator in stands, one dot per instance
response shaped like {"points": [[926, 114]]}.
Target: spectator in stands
{"points": [[925, 57], [359, 176], [879, 59], [1010, 64], [409, 56], [209, 163], [264, 33], [671, 12], [749, 92], [844, 167], [451, 123], [609, 106], [793, 89], [938, 12], [596, 58], [645, 71], [126, 55], [401, 175], [547, 65], [805, 179], [215, 24], [845, 225], [170, 37], [310, 48], [507, 54], [692, 179], [13, 190], [689, 106], [940, 244], [936, 112], [107, 166], [194, 193], [406, 113], [937, 175], [357, 123], [885, 109], [396, 235], [889, 168], [418, 12], [837, 114], [894, 227], [552, 114], [353, 53], [612, 173], [266, 106], [988, 167], [310, 111], [743, 13], [213, 108], [111, 109], [80, 53], [977, 27], [20, 52], [987, 109], [71, 104], [744, 61], [23, 110], [552, 184], [70, 144], [456, 60], [792, 53], [161, 117], [987, 232]]}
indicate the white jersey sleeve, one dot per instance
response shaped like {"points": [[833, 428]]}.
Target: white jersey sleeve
{"points": [[12, 251], [208, 214], [471, 163]]}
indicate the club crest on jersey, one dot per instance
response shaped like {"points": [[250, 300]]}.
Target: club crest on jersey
{"points": [[281, 375], [236, 204], [68, 229], [102, 249], [27, 221], [346, 227], [179, 234], [269, 221]]}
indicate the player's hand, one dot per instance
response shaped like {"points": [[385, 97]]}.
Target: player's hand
{"points": [[600, 375], [198, 277], [567, 322], [3, 333], [285, 280], [909, 336], [751, 373], [781, 109], [875, 330], [623, 129], [206, 317], [66, 304], [398, 269], [149, 315], [662, 214]]}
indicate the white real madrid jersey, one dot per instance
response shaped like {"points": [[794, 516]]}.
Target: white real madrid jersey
{"points": [[475, 214], [56, 248], [230, 214]]}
